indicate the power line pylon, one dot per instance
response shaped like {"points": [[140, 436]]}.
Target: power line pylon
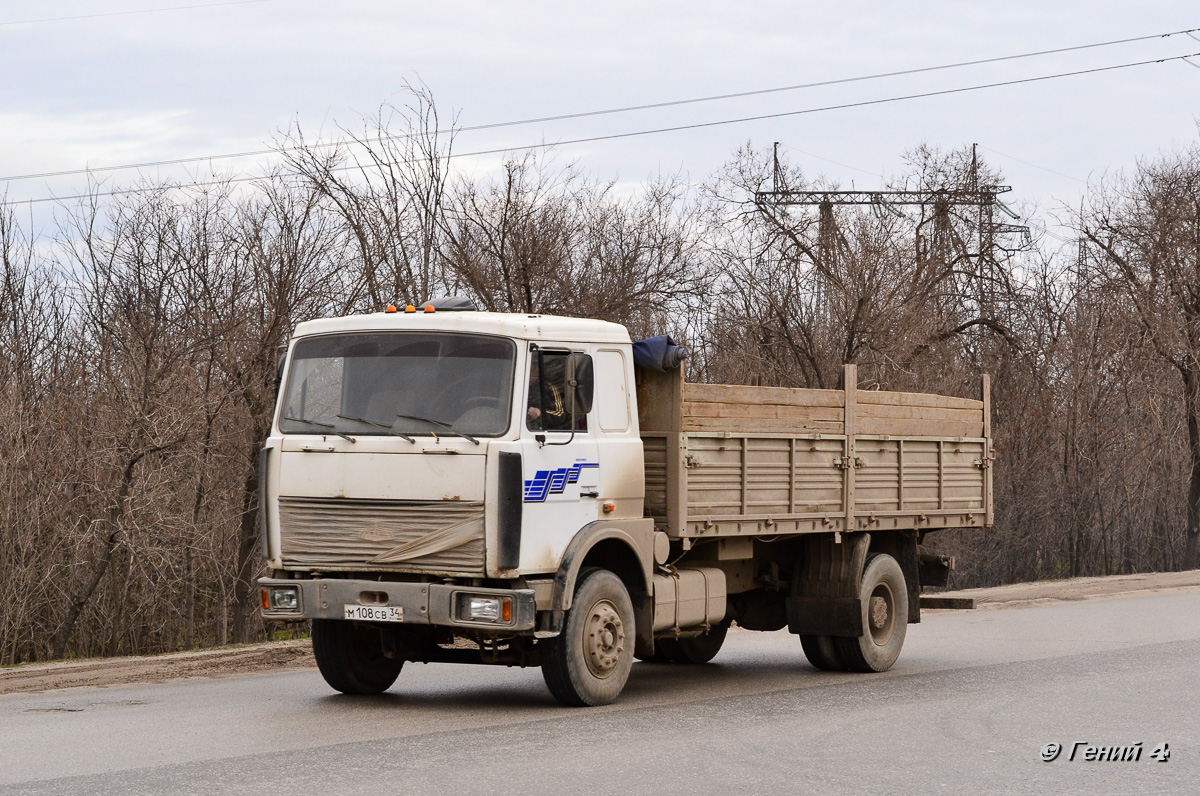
{"points": [[943, 247]]}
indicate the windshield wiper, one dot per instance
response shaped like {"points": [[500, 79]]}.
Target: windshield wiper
{"points": [[446, 426], [379, 425], [319, 424]]}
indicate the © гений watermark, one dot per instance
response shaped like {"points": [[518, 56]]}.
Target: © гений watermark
{"points": [[1082, 750]]}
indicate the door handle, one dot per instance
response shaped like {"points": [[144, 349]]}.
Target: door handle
{"points": [[589, 494]]}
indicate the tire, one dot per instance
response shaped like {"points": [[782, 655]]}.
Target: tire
{"points": [[350, 657], [885, 618], [822, 653], [589, 662], [694, 650]]}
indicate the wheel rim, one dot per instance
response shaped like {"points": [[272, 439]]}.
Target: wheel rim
{"points": [[603, 639], [881, 614]]}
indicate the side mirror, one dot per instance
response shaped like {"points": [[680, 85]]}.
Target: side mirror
{"points": [[279, 363], [581, 380]]}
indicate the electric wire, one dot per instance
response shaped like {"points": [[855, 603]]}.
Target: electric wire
{"points": [[791, 148], [609, 111], [660, 130], [1034, 165]]}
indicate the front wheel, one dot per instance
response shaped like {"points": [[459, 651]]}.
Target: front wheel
{"points": [[351, 657], [885, 618], [589, 662]]}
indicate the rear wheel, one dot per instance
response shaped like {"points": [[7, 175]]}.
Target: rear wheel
{"points": [[351, 657], [589, 662], [822, 653], [885, 618], [696, 649]]}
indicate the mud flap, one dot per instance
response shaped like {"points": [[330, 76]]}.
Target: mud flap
{"points": [[824, 595]]}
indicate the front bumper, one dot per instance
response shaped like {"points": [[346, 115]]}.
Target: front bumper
{"points": [[422, 603]]}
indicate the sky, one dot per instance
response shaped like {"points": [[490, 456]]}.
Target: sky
{"points": [[165, 79]]}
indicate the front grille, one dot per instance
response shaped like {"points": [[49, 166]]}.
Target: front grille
{"points": [[412, 536]]}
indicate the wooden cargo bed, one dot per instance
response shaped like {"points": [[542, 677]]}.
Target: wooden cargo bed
{"points": [[726, 460]]}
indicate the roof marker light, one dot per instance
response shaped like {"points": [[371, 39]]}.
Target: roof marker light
{"points": [[430, 308], [410, 308], [390, 308]]}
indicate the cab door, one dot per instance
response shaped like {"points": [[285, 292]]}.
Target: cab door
{"points": [[561, 471]]}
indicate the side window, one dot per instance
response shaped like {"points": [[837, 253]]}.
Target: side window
{"points": [[612, 398], [550, 397]]}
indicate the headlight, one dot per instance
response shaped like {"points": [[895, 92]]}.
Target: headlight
{"points": [[281, 598], [477, 608]]}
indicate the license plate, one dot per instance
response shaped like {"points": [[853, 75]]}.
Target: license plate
{"points": [[375, 613]]}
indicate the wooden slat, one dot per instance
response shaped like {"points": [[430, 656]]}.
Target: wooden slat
{"points": [[763, 411], [740, 394], [771, 426], [887, 411], [919, 428], [917, 399]]}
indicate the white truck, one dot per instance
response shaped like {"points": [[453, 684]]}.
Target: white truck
{"points": [[447, 485]]}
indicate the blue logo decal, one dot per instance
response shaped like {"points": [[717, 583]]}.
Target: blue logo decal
{"points": [[553, 482]]}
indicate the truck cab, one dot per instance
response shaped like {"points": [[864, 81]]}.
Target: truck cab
{"points": [[430, 469]]}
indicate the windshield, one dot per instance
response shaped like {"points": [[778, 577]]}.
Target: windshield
{"points": [[401, 383]]}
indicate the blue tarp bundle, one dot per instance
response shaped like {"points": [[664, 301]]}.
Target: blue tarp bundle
{"points": [[658, 353]]}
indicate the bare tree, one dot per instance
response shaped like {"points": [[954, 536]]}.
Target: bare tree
{"points": [[387, 184], [1147, 228]]}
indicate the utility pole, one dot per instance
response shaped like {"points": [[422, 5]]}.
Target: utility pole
{"points": [[777, 172]]}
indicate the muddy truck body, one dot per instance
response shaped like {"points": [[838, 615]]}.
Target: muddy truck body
{"points": [[529, 490]]}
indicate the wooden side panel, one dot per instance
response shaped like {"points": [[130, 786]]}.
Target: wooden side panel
{"points": [[761, 426], [963, 477], [750, 410], [872, 426], [731, 476], [817, 478], [782, 414], [870, 397], [899, 412], [906, 414], [725, 460], [877, 479], [762, 396], [922, 479]]}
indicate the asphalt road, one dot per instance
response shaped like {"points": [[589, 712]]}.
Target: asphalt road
{"points": [[967, 709]]}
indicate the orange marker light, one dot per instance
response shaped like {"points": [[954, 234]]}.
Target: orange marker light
{"points": [[410, 308], [390, 308], [506, 610], [609, 508], [265, 601], [430, 308]]}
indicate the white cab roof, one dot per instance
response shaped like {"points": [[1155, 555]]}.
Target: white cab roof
{"points": [[505, 324]]}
